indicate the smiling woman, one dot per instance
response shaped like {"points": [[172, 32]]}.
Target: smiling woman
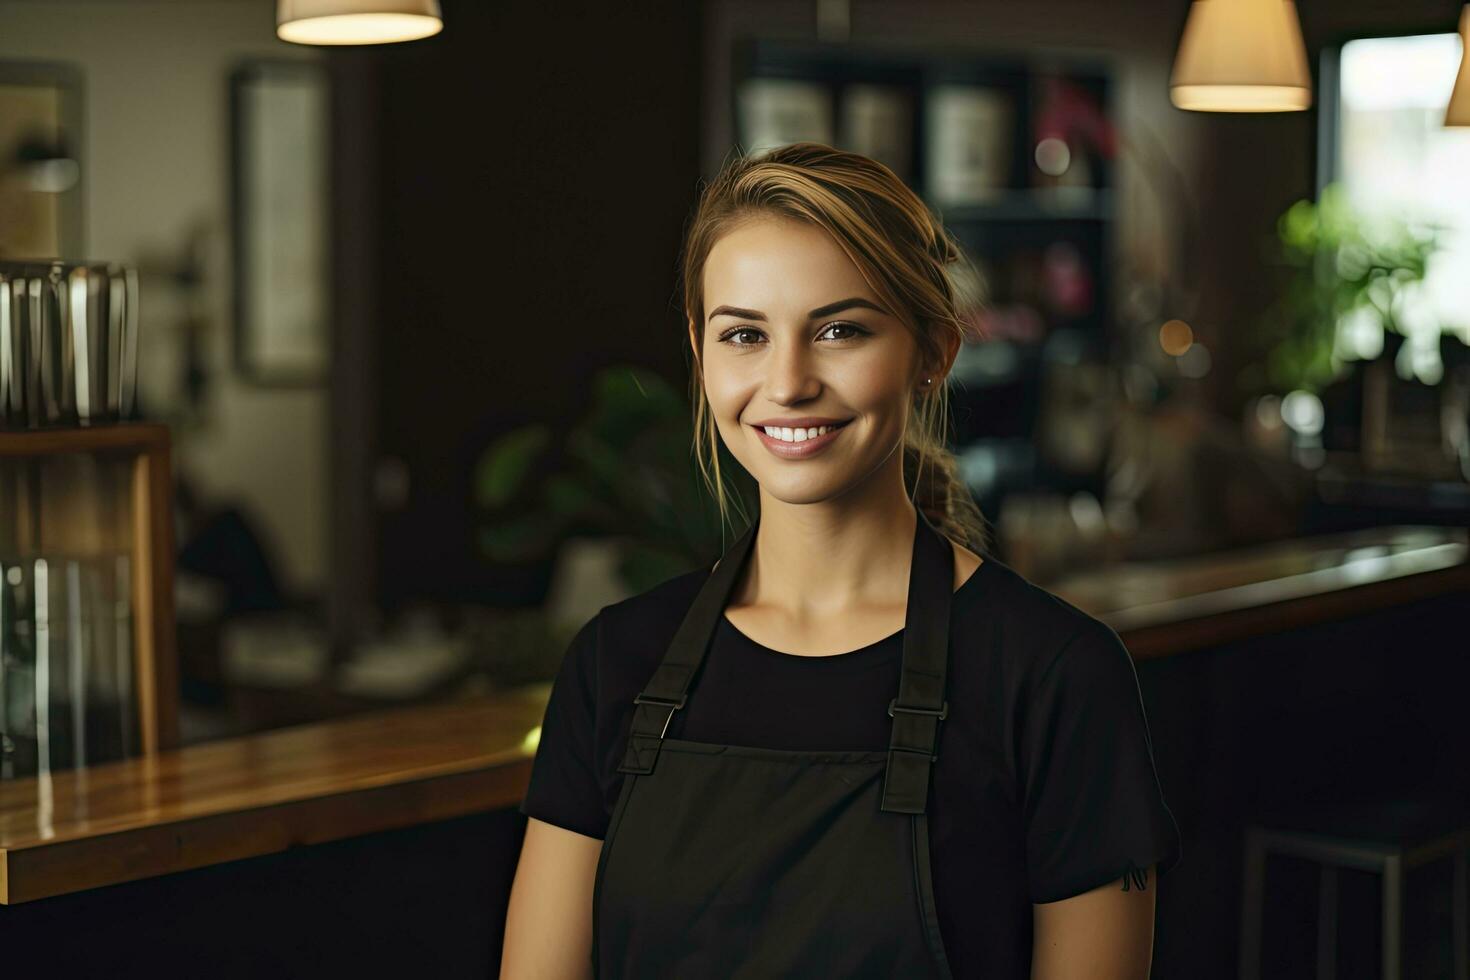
{"points": [[850, 356], [854, 747]]}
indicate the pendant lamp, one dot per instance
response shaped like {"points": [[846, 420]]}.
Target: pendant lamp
{"points": [[356, 21], [1241, 56], [1458, 113]]}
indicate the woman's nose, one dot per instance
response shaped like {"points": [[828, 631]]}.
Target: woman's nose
{"points": [[791, 375]]}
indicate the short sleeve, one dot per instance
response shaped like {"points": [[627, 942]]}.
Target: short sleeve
{"points": [[1093, 808], [564, 788]]}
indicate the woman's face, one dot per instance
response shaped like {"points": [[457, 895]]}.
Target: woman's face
{"points": [[794, 338]]}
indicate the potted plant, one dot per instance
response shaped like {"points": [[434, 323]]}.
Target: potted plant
{"points": [[1337, 264]]}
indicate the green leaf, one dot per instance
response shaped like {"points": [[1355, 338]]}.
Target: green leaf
{"points": [[503, 466], [529, 537], [568, 497]]}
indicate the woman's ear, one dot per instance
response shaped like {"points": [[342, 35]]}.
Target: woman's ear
{"points": [[952, 344], [950, 350]]}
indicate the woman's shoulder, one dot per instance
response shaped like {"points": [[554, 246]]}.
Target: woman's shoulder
{"points": [[654, 608], [1034, 629], [625, 639]]}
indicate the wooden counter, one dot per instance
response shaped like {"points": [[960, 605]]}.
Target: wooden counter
{"points": [[1167, 607], [237, 798]]}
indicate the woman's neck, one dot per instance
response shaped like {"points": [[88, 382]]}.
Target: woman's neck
{"points": [[816, 562]]}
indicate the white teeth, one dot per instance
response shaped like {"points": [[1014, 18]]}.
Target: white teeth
{"points": [[796, 435]]}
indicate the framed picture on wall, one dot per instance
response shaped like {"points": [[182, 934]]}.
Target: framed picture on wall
{"points": [[969, 147], [773, 112], [40, 161], [877, 121], [279, 157]]}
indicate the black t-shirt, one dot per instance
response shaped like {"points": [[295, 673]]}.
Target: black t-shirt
{"points": [[1045, 785]]}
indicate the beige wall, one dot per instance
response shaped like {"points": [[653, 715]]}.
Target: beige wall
{"points": [[156, 164]]}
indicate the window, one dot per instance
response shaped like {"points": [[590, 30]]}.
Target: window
{"points": [[1395, 159]]}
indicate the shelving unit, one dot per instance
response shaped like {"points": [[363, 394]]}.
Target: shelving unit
{"points": [[78, 498]]}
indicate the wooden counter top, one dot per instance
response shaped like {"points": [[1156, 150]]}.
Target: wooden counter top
{"points": [[237, 798], [1167, 607]]}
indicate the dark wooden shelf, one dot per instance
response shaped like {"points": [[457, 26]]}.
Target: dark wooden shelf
{"points": [[1035, 205], [109, 437]]}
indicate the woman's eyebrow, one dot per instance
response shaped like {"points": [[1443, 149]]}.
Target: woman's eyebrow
{"points": [[852, 302]]}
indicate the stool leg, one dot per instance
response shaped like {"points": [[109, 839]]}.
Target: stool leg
{"points": [[1252, 906], [1461, 905], [1393, 917], [1327, 924]]}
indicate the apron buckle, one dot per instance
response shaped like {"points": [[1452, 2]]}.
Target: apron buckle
{"points": [[941, 714], [671, 705]]}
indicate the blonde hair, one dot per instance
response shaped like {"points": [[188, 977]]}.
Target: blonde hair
{"points": [[903, 253]]}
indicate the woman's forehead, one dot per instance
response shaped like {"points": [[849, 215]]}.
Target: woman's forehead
{"points": [[779, 262]]}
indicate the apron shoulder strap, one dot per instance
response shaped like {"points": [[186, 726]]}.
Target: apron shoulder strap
{"points": [[668, 688], [921, 704]]}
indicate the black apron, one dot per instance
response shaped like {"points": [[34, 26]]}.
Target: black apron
{"points": [[737, 861]]}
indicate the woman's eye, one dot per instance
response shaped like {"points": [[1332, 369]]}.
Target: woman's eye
{"points": [[737, 332], [856, 331]]}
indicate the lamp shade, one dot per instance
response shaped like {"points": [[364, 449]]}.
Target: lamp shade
{"points": [[356, 21], [1458, 113], [1241, 56]]}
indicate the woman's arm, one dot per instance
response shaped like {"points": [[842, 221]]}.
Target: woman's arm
{"points": [[548, 925], [1104, 934]]}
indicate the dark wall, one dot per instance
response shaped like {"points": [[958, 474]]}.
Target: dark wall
{"points": [[536, 165]]}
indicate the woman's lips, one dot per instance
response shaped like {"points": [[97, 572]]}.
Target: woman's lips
{"points": [[798, 450]]}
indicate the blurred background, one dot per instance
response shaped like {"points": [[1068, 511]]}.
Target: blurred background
{"points": [[410, 315]]}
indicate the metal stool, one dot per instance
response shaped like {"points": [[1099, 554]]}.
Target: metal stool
{"points": [[1387, 839]]}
